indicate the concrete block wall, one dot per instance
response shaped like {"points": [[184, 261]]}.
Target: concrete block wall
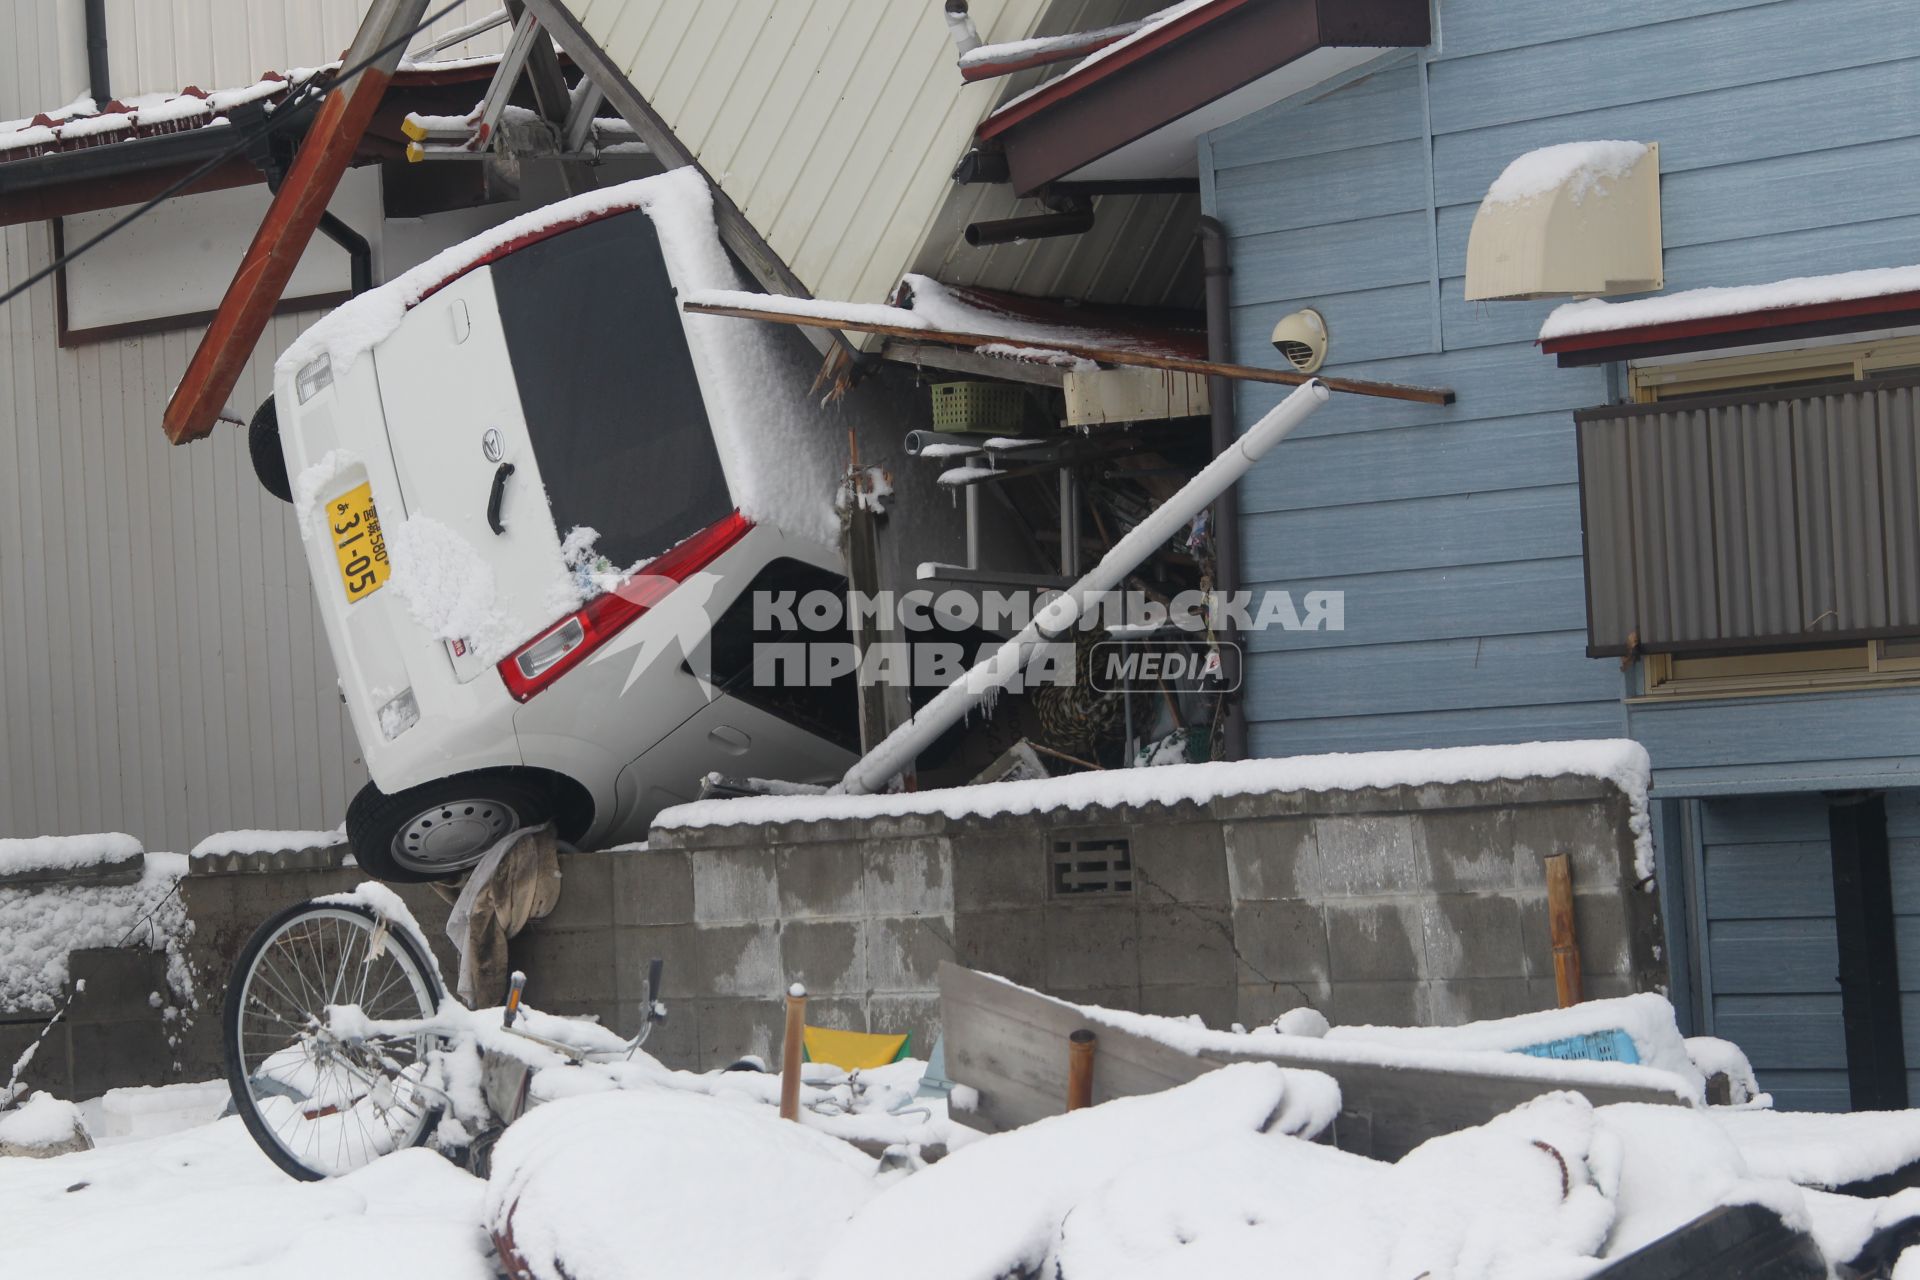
{"points": [[1407, 905]]}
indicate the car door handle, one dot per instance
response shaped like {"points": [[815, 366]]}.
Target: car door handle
{"points": [[499, 495]]}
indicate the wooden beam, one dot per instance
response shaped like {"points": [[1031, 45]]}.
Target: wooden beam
{"points": [[295, 214], [1102, 355]]}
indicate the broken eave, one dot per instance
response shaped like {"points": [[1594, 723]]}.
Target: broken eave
{"points": [[1134, 105], [1718, 332], [1067, 348]]}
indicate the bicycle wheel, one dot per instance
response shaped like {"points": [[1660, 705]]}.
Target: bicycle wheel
{"points": [[321, 1089]]}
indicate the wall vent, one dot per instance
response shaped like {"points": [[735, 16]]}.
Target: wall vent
{"points": [[1097, 866]]}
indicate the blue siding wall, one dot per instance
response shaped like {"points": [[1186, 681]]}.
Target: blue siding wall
{"points": [[1784, 130]]}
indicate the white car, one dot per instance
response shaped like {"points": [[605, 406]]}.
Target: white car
{"points": [[444, 479]]}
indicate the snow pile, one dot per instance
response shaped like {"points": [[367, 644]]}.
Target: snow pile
{"points": [[1472, 1054], [1667, 1166], [60, 853], [449, 588], [41, 1122], [1816, 1150], [781, 468], [1597, 316], [670, 1184], [1620, 761], [1716, 1057], [315, 480], [40, 924], [1579, 168], [224, 843], [1647, 1019], [995, 1208], [149, 1111]]}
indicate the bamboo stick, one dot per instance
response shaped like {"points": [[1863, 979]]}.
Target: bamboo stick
{"points": [[1080, 1047], [1103, 355], [1566, 947], [791, 1052]]}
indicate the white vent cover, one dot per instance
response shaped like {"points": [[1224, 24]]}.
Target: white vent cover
{"points": [[1577, 220]]}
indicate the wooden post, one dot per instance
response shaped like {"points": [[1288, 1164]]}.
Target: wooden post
{"points": [[1080, 1046], [791, 1052], [1566, 946]]}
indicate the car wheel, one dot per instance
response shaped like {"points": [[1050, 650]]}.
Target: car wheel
{"points": [[441, 828], [263, 442]]}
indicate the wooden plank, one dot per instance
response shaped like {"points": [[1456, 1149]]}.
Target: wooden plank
{"points": [[1105, 355], [1010, 1045]]}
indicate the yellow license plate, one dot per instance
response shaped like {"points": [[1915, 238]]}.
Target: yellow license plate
{"points": [[358, 542]]}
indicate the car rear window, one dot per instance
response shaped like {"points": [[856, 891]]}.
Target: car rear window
{"points": [[613, 409]]}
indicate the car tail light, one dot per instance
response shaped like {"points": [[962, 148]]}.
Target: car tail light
{"points": [[567, 643]]}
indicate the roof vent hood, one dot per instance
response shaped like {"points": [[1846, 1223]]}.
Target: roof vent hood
{"points": [[1577, 220]]}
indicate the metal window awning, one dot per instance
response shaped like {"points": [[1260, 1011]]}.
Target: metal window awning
{"points": [[990, 326]]}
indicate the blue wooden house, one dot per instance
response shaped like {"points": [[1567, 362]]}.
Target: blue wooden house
{"points": [[1756, 543]]}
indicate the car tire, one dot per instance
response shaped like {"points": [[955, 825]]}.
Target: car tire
{"points": [[263, 442], [443, 827]]}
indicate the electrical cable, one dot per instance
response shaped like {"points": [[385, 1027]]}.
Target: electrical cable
{"points": [[306, 96]]}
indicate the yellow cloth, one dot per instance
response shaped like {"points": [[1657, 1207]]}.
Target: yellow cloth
{"points": [[853, 1050]]}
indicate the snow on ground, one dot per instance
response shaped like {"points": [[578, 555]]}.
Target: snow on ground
{"points": [[40, 924], [205, 1204]]}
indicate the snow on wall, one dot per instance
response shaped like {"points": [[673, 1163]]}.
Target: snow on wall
{"points": [[1620, 761], [50, 853], [781, 463], [40, 925]]}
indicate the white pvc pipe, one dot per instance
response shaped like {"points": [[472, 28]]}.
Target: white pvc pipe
{"points": [[897, 752]]}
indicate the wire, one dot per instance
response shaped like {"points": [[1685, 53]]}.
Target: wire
{"points": [[308, 94]]}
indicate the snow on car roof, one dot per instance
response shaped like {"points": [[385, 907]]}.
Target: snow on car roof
{"points": [[782, 464]]}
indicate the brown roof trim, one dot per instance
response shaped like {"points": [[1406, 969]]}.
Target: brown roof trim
{"points": [[1709, 333], [1179, 67]]}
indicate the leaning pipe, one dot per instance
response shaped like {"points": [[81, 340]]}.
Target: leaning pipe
{"points": [[898, 750]]}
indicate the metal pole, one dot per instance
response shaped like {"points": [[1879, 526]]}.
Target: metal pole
{"points": [[873, 771], [1226, 511]]}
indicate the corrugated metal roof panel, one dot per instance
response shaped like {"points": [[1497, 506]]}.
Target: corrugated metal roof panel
{"points": [[835, 128], [1760, 520]]}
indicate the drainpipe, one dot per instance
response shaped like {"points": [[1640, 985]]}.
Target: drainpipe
{"points": [[359, 252], [97, 54], [1226, 508]]}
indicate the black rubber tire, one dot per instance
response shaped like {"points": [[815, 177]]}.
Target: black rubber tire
{"points": [[263, 442], [230, 1027], [375, 818]]}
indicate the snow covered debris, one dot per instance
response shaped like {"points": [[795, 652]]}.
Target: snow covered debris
{"points": [[1717, 1057], [40, 924], [1647, 1019], [61, 853], [671, 1184], [315, 480], [1581, 168], [995, 1208], [1816, 1150], [42, 1126], [1620, 761], [1597, 316]]}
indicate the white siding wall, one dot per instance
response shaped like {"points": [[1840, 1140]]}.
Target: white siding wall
{"points": [[161, 668], [165, 45]]}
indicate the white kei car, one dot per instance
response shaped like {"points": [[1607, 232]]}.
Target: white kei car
{"points": [[546, 385]]}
